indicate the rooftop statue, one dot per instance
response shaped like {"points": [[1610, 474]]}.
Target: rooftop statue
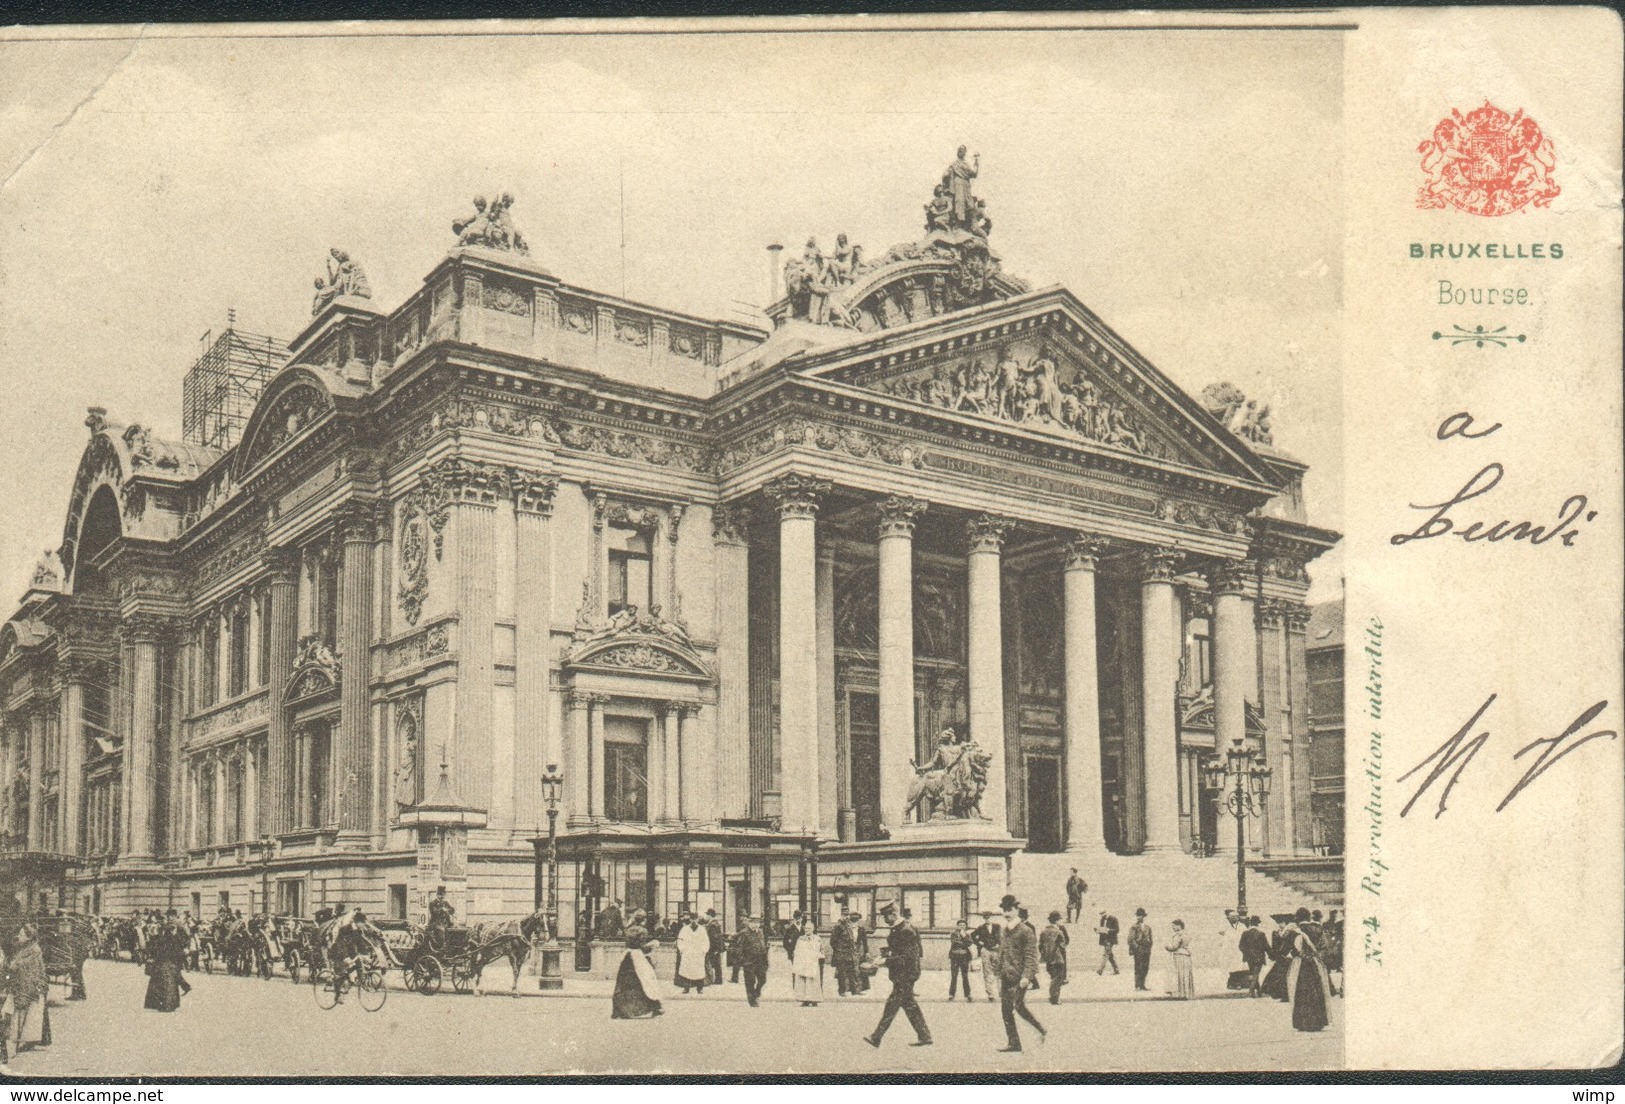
{"points": [[344, 278], [1239, 414], [491, 227], [812, 278]]}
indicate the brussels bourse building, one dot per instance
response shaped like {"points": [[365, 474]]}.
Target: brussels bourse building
{"points": [[925, 587]]}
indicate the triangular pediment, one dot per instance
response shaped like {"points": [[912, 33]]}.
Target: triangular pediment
{"points": [[1060, 373]]}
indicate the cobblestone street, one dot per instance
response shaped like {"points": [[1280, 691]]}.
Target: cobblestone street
{"points": [[238, 1026]]}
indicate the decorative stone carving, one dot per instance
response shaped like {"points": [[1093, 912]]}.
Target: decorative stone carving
{"points": [[624, 445], [148, 451], [48, 572], [290, 414], [798, 495], [1231, 577], [730, 523], [1031, 386], [533, 491], [1084, 550], [1290, 568], [466, 414], [344, 278], [897, 514], [632, 331], [811, 278], [412, 553], [316, 670], [826, 437], [1237, 413], [985, 533], [507, 298], [1160, 565], [1200, 516], [408, 731], [431, 642], [491, 227]]}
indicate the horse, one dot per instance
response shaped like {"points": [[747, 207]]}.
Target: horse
{"points": [[510, 939]]}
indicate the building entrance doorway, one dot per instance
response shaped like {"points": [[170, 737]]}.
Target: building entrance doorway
{"points": [[863, 730], [1043, 803]]}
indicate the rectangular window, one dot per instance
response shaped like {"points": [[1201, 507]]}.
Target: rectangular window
{"points": [[210, 647], [205, 806], [327, 597], [626, 782], [225, 898], [290, 897], [1201, 653], [1326, 686], [630, 576], [320, 763], [197, 903], [397, 901], [237, 627]]}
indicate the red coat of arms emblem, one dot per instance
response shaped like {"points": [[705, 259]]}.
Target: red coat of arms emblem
{"points": [[1487, 163]]}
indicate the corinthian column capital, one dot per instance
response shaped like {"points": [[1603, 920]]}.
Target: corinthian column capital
{"points": [[1160, 565], [1084, 550], [897, 514], [985, 533], [798, 495]]}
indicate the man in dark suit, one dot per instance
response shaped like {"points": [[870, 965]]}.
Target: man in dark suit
{"points": [[750, 956], [1052, 944], [1107, 931], [1255, 951], [902, 954], [1018, 972], [716, 944], [1139, 946], [843, 955]]}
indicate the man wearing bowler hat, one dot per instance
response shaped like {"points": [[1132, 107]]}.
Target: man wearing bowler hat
{"points": [[1018, 972], [902, 954], [1139, 947]]}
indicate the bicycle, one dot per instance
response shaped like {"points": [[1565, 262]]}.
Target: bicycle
{"points": [[364, 976]]}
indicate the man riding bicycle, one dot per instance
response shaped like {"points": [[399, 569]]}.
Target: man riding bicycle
{"points": [[348, 942]]}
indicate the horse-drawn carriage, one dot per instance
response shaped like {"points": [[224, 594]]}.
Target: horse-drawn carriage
{"points": [[428, 958]]}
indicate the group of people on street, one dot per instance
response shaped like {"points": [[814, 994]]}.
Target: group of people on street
{"points": [[1301, 955], [22, 966]]}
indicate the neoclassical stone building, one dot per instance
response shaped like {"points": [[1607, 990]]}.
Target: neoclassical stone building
{"points": [[735, 582]]}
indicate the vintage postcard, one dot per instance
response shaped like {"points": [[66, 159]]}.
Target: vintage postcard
{"points": [[1039, 544]]}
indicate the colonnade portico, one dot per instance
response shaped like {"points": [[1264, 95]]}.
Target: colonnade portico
{"points": [[804, 729]]}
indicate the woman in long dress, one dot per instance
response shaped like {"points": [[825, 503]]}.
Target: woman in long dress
{"points": [[1179, 946], [807, 965], [1307, 983], [637, 990], [693, 943], [166, 954], [1274, 984]]}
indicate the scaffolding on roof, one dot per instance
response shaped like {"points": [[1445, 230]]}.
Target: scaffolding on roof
{"points": [[224, 384]]}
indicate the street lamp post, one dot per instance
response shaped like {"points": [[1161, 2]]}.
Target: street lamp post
{"points": [[552, 785], [1249, 790]]}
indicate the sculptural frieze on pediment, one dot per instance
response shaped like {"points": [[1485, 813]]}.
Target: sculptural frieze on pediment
{"points": [[1239, 414], [316, 670], [1028, 383]]}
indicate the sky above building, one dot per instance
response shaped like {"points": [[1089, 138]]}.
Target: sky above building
{"points": [[1186, 185]]}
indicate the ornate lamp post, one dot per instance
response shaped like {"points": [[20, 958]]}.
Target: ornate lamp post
{"points": [[1249, 788], [266, 844], [552, 786]]}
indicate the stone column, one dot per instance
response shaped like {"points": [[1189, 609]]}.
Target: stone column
{"points": [[671, 764], [69, 788], [251, 793], [1295, 755], [828, 804], [352, 758], [578, 763], [896, 616], [303, 791], [36, 778], [535, 745], [1234, 669], [798, 497], [1277, 718], [699, 779], [1160, 675], [985, 648], [730, 531], [476, 488], [283, 566], [140, 748], [1085, 828], [595, 740], [217, 763], [654, 758]]}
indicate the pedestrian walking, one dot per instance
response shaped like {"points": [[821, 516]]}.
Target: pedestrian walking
{"points": [[1179, 948], [166, 958], [714, 947], [866, 967], [1106, 931], [637, 988], [1140, 943], [750, 957], [961, 948], [1052, 944], [1255, 952], [987, 939], [902, 955], [1076, 887], [1307, 981], [1018, 973], [693, 947], [807, 965], [1274, 984]]}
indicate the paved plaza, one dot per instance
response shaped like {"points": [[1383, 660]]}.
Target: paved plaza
{"points": [[240, 1026]]}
